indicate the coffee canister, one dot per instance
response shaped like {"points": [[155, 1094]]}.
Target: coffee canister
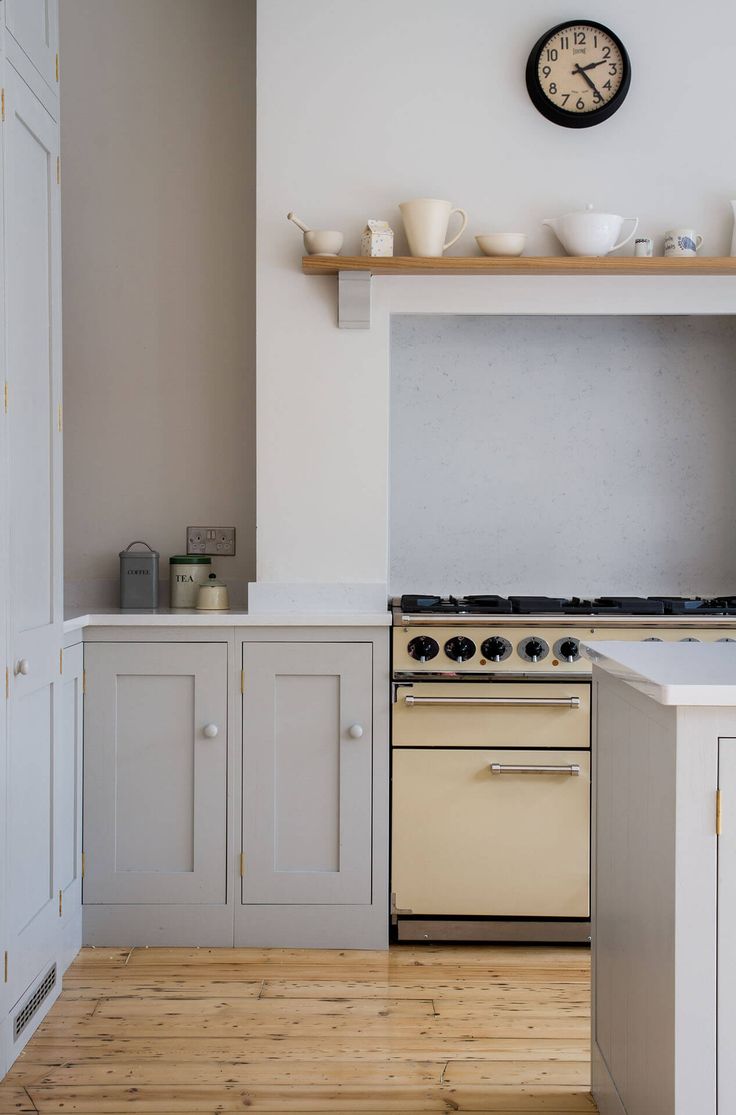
{"points": [[186, 573], [139, 577]]}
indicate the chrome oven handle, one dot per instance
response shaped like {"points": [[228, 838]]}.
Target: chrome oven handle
{"points": [[541, 768], [498, 702]]}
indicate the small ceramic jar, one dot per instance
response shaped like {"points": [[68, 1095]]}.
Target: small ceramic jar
{"points": [[186, 573], [213, 596]]}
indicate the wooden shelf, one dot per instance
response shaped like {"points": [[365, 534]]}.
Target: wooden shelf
{"points": [[521, 265]]}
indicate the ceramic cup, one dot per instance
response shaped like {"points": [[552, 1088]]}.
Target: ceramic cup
{"points": [[425, 222], [682, 242], [643, 246]]}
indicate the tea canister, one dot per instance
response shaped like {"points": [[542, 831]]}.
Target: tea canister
{"points": [[139, 577], [186, 573]]}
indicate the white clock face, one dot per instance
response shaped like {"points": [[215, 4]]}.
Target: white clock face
{"points": [[580, 68]]}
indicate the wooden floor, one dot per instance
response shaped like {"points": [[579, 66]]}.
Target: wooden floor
{"points": [[420, 1029]]}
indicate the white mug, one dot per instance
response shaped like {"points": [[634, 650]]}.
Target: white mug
{"points": [[425, 222], [681, 242]]}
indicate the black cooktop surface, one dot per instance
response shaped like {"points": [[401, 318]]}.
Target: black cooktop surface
{"points": [[568, 606]]}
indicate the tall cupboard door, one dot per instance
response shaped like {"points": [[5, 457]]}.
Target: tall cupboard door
{"points": [[726, 1025], [34, 25], [307, 761], [68, 787], [155, 773], [33, 364]]}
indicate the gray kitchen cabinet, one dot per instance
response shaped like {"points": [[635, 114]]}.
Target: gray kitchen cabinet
{"points": [[307, 753], [68, 802], [155, 778], [32, 44], [314, 790]]}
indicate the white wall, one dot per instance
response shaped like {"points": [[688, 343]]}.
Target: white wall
{"points": [[158, 196], [362, 105], [563, 455]]}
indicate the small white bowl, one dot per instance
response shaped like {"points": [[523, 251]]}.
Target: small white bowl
{"points": [[501, 243], [323, 242]]}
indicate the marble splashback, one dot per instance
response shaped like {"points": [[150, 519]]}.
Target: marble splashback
{"points": [[563, 454]]}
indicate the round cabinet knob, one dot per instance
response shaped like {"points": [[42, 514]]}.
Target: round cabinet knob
{"points": [[496, 648], [423, 648], [355, 731], [210, 731], [23, 667], [460, 648]]}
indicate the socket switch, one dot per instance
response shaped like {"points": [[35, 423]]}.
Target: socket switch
{"points": [[217, 541]]}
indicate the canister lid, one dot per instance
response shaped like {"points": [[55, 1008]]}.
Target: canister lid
{"points": [[189, 559], [127, 552]]}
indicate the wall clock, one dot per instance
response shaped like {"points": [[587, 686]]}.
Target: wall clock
{"points": [[578, 74]]}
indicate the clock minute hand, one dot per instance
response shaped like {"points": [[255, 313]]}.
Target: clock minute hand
{"points": [[585, 77]]}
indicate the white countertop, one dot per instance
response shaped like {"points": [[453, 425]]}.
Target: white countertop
{"points": [[671, 673], [168, 617]]}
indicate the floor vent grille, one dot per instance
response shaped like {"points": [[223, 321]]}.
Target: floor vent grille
{"points": [[33, 1003]]}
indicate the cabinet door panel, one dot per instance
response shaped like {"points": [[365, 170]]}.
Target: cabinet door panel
{"points": [[155, 785], [726, 1028], [306, 780], [34, 24]]}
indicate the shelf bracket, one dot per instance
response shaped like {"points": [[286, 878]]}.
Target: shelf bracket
{"points": [[354, 299]]}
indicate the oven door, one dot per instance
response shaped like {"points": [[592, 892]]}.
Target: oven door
{"points": [[491, 833]]}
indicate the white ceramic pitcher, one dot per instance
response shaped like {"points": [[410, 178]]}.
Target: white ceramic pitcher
{"points": [[425, 222]]}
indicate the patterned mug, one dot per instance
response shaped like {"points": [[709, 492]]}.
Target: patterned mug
{"points": [[682, 242]]}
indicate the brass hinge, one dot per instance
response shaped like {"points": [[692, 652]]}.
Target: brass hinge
{"points": [[61, 418], [83, 864], [57, 65], [61, 902], [58, 170], [242, 681], [7, 682], [2, 105], [61, 661], [6, 967], [719, 813], [6, 394], [242, 864], [84, 681]]}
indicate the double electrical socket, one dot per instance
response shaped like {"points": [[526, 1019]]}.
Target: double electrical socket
{"points": [[218, 541]]}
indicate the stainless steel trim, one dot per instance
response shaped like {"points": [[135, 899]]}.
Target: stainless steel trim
{"points": [[534, 768], [502, 702], [410, 677], [584, 622]]}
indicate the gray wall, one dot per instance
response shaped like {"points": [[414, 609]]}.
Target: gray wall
{"points": [[158, 208], [563, 454]]}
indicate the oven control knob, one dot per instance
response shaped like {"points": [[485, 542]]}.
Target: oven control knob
{"points": [[423, 648], [496, 648], [532, 649], [569, 649], [460, 648]]}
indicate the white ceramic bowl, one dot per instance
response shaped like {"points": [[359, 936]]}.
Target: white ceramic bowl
{"points": [[501, 243], [323, 242]]}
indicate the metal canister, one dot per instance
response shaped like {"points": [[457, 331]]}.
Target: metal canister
{"points": [[186, 573], [139, 577]]}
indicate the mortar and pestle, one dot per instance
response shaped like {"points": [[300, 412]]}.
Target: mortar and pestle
{"points": [[318, 241]]}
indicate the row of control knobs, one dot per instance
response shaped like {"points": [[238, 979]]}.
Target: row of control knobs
{"points": [[423, 648]]}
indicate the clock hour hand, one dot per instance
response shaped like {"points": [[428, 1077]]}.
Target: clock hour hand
{"points": [[591, 65]]}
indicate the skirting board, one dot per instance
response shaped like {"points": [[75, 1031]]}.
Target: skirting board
{"points": [[604, 1090], [312, 927], [178, 926]]}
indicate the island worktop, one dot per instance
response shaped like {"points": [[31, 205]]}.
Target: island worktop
{"points": [[664, 877]]}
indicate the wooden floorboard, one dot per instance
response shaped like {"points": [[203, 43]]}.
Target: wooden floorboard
{"points": [[503, 1030]]}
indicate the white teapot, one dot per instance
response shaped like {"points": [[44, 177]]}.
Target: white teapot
{"points": [[587, 233]]}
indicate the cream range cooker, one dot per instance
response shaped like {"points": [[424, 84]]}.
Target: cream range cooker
{"points": [[491, 726]]}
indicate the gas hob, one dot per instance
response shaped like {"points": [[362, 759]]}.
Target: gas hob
{"points": [[524, 636]]}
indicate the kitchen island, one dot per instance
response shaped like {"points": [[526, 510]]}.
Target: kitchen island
{"points": [[664, 877]]}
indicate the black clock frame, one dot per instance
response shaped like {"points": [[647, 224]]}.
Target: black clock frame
{"points": [[563, 116]]}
